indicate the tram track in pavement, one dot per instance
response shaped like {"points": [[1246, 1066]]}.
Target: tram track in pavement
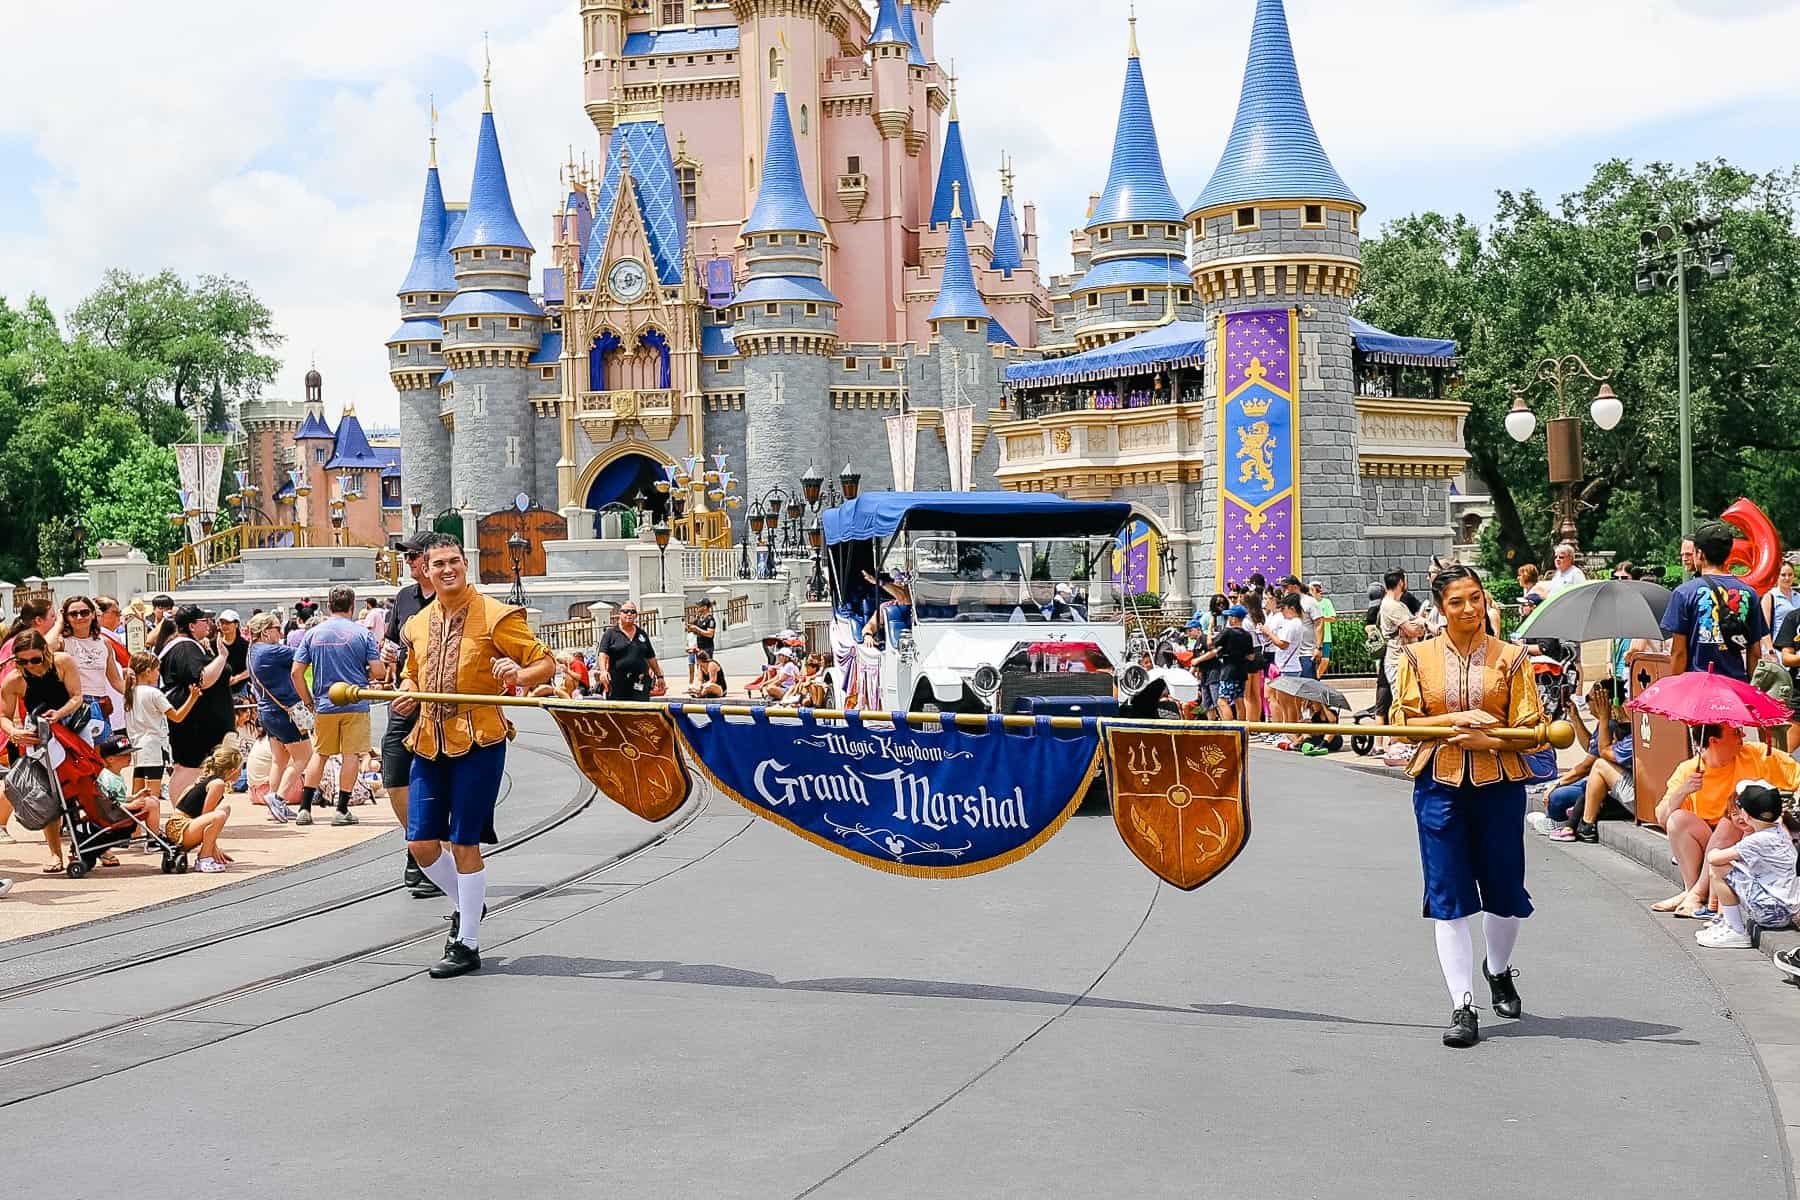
{"points": [[583, 798], [188, 1011]]}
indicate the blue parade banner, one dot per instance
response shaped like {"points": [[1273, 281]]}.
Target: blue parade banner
{"points": [[932, 802]]}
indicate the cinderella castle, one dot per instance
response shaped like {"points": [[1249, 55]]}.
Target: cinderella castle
{"points": [[783, 257]]}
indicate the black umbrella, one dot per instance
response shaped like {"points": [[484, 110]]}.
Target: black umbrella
{"points": [[1310, 689], [1600, 609]]}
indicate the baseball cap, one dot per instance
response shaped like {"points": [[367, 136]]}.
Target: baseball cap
{"points": [[412, 543], [1291, 581], [1759, 800], [231, 615], [114, 746], [187, 614], [1237, 610]]}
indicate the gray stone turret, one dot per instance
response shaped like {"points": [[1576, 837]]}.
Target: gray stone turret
{"points": [[785, 322], [416, 356], [491, 330]]}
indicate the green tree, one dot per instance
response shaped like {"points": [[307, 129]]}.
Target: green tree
{"points": [[1546, 282]]}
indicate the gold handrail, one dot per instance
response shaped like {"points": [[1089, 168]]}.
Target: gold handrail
{"points": [[1559, 734]]}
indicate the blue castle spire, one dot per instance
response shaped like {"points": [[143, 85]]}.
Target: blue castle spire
{"points": [[781, 203], [954, 170], [888, 29], [915, 56], [1137, 187], [958, 298], [1009, 255], [1273, 152], [491, 220], [352, 451], [431, 270]]}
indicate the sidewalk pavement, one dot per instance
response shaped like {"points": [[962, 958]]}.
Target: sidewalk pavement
{"points": [[40, 903]]}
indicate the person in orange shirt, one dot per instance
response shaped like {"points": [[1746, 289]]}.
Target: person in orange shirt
{"points": [[469, 644], [1699, 797]]}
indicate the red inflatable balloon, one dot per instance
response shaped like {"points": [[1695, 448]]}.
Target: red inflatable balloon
{"points": [[1759, 551]]}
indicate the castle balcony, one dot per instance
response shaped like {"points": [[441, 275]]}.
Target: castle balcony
{"points": [[853, 193], [1072, 446], [654, 410]]}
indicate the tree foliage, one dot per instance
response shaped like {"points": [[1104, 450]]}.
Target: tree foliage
{"points": [[87, 419], [1542, 282]]}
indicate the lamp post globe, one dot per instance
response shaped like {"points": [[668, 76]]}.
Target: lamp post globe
{"points": [[1521, 422], [1607, 410]]}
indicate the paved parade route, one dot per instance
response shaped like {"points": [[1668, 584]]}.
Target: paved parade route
{"points": [[731, 1012]]}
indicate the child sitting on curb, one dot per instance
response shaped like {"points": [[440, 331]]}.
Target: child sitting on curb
{"points": [[1756, 874]]}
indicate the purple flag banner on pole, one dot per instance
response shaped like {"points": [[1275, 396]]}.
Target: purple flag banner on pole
{"points": [[719, 287], [1259, 445]]}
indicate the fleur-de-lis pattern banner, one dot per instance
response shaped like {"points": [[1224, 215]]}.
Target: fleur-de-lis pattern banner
{"points": [[935, 802], [1259, 445]]}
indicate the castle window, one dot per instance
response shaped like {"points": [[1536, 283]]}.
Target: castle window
{"points": [[546, 372], [849, 364], [721, 366], [887, 364], [1245, 218], [506, 254], [1313, 216], [1185, 295], [434, 298], [512, 322], [478, 254], [1105, 235], [1199, 229], [1137, 231], [689, 179], [812, 310], [1174, 231], [853, 165], [774, 63], [1093, 299], [1139, 296], [803, 119], [772, 310], [803, 239], [1353, 221], [437, 347], [474, 322], [319, 456], [972, 327]]}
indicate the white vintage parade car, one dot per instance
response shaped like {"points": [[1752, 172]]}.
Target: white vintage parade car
{"points": [[1010, 612]]}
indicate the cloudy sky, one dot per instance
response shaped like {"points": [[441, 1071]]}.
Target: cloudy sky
{"points": [[283, 144]]}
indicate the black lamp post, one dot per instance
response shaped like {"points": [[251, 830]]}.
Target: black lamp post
{"points": [[1168, 569], [815, 537], [517, 546], [417, 508], [851, 481], [811, 483], [661, 532]]}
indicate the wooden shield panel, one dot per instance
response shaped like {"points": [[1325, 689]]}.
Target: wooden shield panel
{"points": [[536, 525], [630, 756], [1180, 797]]}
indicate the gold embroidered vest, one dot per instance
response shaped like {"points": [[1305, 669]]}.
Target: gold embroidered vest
{"points": [[453, 650], [1433, 680]]}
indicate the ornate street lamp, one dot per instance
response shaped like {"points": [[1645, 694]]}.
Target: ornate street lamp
{"points": [[416, 508], [518, 547], [660, 532], [1562, 433], [851, 481], [815, 537], [810, 483]]}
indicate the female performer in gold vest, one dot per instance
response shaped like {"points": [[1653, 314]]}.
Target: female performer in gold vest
{"points": [[1469, 792]]}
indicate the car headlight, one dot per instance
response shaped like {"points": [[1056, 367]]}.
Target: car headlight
{"points": [[986, 679]]}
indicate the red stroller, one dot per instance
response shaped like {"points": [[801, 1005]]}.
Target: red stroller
{"points": [[91, 820]]}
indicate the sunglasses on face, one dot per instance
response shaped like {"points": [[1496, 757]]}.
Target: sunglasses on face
{"points": [[36, 660], [628, 612], [412, 556], [76, 614]]}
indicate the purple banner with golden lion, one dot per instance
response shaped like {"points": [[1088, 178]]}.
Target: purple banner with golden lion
{"points": [[1259, 445]]}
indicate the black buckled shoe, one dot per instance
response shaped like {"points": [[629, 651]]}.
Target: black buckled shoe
{"points": [[458, 960], [425, 889], [1503, 992], [412, 877], [1464, 1031], [455, 919]]}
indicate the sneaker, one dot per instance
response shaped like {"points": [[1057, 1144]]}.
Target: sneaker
{"points": [[1788, 962], [1540, 823], [1313, 750], [1585, 832], [279, 809], [212, 866], [303, 817], [345, 817], [1722, 937]]}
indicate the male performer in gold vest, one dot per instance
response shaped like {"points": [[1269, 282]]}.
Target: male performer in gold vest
{"points": [[470, 644]]}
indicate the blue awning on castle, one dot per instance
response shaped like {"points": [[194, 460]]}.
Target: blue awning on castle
{"points": [[1183, 344], [717, 341], [1168, 347], [714, 40]]}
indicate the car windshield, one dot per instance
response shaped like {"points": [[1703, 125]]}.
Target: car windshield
{"points": [[971, 580]]}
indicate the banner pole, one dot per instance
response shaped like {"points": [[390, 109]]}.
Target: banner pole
{"points": [[1559, 734]]}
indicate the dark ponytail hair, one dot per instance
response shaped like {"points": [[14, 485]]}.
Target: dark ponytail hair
{"points": [[27, 616]]}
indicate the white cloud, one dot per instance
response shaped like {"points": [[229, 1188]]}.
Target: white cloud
{"points": [[284, 144]]}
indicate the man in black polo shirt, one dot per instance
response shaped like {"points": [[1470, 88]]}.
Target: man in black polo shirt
{"points": [[396, 759], [703, 628]]}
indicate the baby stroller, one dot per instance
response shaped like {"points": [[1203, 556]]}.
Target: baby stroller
{"points": [[59, 780]]}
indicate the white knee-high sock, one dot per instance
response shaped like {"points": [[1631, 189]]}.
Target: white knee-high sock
{"points": [[1734, 917], [442, 872], [1456, 955], [1502, 935], [471, 894]]}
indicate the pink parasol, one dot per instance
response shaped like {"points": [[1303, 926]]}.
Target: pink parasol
{"points": [[1696, 698]]}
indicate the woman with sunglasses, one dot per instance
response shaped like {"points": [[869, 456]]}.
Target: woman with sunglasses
{"points": [[41, 683], [102, 681], [628, 666]]}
